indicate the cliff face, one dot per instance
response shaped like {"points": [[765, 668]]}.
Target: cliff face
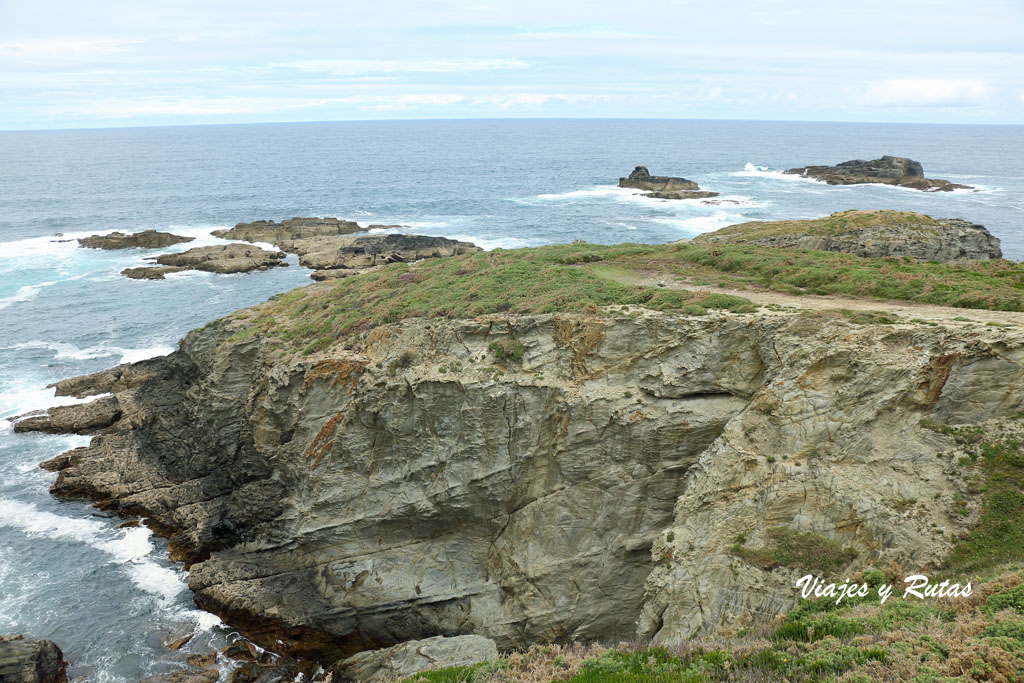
{"points": [[540, 478]]}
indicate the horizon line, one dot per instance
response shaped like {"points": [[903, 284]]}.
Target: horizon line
{"points": [[496, 118]]}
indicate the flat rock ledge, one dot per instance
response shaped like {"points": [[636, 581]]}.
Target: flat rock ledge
{"points": [[31, 661], [147, 239], [338, 257], [413, 657], [887, 170], [927, 239], [664, 187], [293, 229], [220, 258]]}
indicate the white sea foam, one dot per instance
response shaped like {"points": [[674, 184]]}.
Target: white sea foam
{"points": [[22, 397], [130, 548], [753, 171], [25, 293], [48, 245], [701, 224], [600, 191], [64, 350]]}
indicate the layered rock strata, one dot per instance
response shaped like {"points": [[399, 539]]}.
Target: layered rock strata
{"points": [[31, 661], [592, 489]]}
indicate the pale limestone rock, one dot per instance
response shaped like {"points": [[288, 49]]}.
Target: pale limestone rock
{"points": [[414, 656]]}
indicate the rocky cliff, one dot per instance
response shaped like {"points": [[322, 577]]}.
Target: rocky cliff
{"points": [[547, 477]]}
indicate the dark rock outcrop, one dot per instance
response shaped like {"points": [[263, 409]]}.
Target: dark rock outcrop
{"points": [[147, 239], [31, 661], [150, 272], [334, 257], [664, 187], [905, 234], [887, 170]]}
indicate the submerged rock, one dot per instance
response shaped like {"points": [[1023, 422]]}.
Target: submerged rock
{"points": [[150, 272], [31, 661], [414, 656], [871, 234], [887, 170], [664, 187], [333, 257], [147, 239]]}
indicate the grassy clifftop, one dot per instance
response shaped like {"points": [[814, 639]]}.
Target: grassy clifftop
{"points": [[571, 277], [836, 224]]}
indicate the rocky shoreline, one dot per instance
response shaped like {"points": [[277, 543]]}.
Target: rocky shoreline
{"points": [[428, 491], [352, 501]]}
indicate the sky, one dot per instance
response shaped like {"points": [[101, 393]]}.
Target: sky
{"points": [[69, 64]]}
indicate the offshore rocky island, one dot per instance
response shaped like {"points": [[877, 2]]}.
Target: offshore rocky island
{"points": [[549, 450]]}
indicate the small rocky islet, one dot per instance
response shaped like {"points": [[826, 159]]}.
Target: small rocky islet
{"points": [[887, 170], [598, 448], [663, 187]]}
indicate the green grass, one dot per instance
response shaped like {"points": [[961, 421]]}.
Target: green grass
{"points": [[836, 224], [574, 277], [998, 538], [807, 552]]}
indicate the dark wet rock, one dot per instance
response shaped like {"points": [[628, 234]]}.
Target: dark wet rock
{"points": [[224, 259], [684, 194], [147, 239], [150, 272], [31, 661], [82, 418], [414, 656], [290, 229], [177, 643], [664, 187], [887, 170], [334, 257]]}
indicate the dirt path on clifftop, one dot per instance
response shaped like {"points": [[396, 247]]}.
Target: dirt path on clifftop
{"points": [[831, 302]]}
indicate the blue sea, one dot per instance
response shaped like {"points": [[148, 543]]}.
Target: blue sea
{"points": [[108, 596]]}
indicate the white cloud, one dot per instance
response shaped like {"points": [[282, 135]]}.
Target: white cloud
{"points": [[355, 67], [126, 108], [506, 101], [64, 50], [927, 92]]}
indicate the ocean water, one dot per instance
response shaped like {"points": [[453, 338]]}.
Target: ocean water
{"points": [[109, 596]]}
